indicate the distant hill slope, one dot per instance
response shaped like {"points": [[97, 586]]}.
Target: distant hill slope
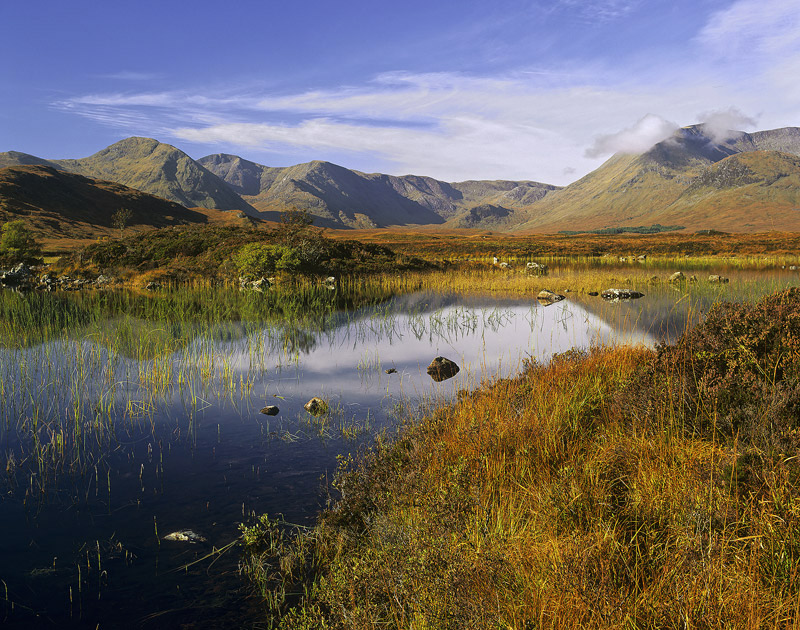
{"points": [[15, 158], [56, 204], [150, 166], [685, 180], [341, 197]]}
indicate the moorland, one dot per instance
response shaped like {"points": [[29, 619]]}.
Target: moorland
{"points": [[646, 485]]}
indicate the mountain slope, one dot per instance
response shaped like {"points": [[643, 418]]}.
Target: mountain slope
{"points": [[342, 197], [672, 184], [159, 169], [66, 205], [15, 158]]}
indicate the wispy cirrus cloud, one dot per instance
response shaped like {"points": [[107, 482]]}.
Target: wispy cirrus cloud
{"points": [[606, 10], [127, 75], [448, 125], [750, 28]]}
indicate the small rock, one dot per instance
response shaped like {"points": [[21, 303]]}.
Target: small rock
{"points": [[536, 269], [270, 410], [716, 278], [549, 297], [442, 368], [260, 284], [676, 277], [185, 535], [316, 406], [621, 294]]}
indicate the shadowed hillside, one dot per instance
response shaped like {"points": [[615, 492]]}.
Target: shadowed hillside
{"points": [[58, 204], [150, 166]]}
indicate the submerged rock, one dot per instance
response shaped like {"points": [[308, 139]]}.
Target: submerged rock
{"points": [[316, 406], [549, 297], [621, 294], [442, 369], [185, 535], [270, 410]]}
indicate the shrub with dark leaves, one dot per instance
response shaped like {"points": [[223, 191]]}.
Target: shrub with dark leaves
{"points": [[736, 375]]}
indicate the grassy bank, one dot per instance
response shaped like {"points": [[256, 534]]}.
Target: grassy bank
{"points": [[618, 488]]}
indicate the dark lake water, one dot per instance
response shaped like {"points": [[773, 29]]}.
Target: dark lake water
{"points": [[87, 502]]}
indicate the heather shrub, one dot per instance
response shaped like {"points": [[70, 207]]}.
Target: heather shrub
{"points": [[735, 376]]}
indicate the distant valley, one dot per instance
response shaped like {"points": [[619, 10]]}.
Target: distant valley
{"points": [[743, 183]]}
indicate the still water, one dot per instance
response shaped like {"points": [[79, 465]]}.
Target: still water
{"points": [[86, 504]]}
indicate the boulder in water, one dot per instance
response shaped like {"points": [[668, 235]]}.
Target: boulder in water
{"points": [[442, 368]]}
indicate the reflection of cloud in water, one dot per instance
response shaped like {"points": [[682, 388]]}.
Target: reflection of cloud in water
{"points": [[483, 340]]}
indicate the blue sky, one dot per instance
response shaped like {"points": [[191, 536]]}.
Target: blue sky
{"points": [[541, 90]]}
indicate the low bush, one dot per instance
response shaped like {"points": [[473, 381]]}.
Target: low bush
{"points": [[735, 376]]}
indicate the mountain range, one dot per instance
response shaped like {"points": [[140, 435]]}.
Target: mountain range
{"points": [[698, 178]]}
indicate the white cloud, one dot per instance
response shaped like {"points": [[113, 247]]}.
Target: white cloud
{"points": [[725, 124], [638, 138]]}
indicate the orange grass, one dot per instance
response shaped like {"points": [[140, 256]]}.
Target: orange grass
{"points": [[535, 502]]}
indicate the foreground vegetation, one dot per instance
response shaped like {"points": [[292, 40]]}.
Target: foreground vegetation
{"points": [[616, 488]]}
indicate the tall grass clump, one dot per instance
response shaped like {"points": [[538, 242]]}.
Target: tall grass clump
{"points": [[616, 488]]}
